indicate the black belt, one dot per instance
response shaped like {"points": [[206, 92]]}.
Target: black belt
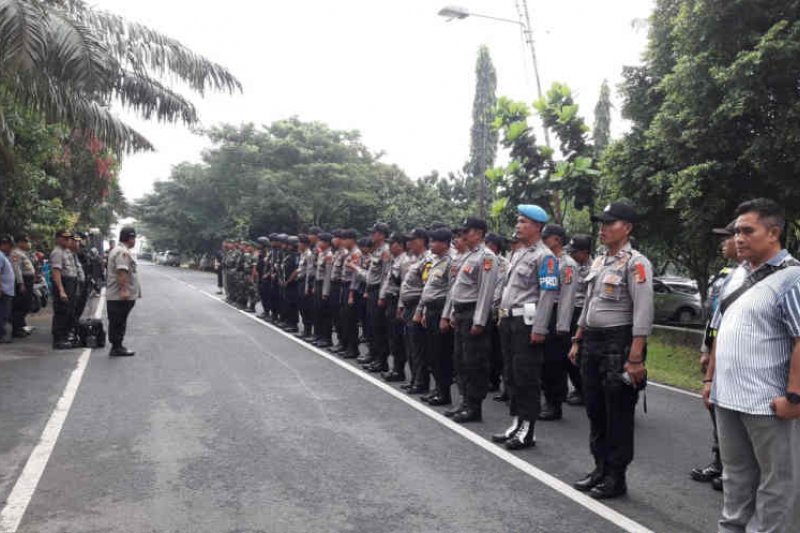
{"points": [[414, 302], [464, 307], [436, 305], [374, 288]]}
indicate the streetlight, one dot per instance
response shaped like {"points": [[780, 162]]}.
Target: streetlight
{"points": [[460, 13]]}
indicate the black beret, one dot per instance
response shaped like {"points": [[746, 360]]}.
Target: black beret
{"points": [[325, 236], [551, 230], [380, 227]]}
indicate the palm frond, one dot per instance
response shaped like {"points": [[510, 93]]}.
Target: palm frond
{"points": [[151, 98], [23, 35]]}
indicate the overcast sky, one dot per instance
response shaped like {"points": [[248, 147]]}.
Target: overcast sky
{"points": [[394, 70]]}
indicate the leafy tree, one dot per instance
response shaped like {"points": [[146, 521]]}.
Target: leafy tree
{"points": [[715, 111], [286, 177], [69, 61], [533, 175], [483, 147]]}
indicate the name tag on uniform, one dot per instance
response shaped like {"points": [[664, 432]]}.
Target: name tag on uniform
{"points": [[467, 269]]}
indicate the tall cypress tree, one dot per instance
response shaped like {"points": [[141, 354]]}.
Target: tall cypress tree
{"points": [[601, 134], [483, 147]]}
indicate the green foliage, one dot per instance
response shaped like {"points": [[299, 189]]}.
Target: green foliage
{"points": [[285, 177], [483, 146], [60, 178], [532, 175], [601, 133], [716, 120], [67, 61]]}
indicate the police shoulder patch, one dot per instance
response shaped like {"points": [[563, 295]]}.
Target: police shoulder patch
{"points": [[568, 275], [488, 263], [548, 274], [640, 273]]}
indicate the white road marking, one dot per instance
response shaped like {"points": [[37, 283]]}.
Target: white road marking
{"points": [[675, 389], [21, 494], [616, 518]]}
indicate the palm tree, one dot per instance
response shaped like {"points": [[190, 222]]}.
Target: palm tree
{"points": [[69, 62]]}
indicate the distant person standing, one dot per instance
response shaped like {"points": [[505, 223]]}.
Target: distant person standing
{"points": [[7, 280], [122, 290], [65, 282], [25, 276]]}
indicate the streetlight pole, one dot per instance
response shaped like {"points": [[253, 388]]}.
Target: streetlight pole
{"points": [[460, 13]]}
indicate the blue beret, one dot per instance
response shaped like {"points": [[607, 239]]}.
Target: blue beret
{"points": [[533, 212]]}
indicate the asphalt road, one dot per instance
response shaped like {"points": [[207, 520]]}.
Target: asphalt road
{"points": [[222, 424]]}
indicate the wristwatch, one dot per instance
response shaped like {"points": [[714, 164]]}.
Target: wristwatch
{"points": [[793, 398]]}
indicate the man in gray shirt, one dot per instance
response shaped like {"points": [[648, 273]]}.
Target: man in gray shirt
{"points": [[388, 301], [410, 294], [612, 339], [580, 248], [753, 376], [525, 310], [438, 342], [379, 265], [470, 307], [556, 347], [65, 282], [122, 290]]}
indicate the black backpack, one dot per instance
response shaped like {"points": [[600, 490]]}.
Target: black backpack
{"points": [[91, 333]]}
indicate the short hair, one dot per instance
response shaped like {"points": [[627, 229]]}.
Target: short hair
{"points": [[769, 212]]}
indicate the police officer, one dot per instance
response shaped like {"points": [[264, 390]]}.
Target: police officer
{"points": [[322, 290], [438, 341], [302, 286], [379, 264], [525, 312], [469, 308], [712, 473], [496, 243], [557, 344], [311, 277], [365, 246], [389, 300], [580, 248], [611, 340], [350, 290], [291, 260], [337, 275], [261, 268], [122, 291], [65, 279], [82, 288], [25, 275], [411, 288]]}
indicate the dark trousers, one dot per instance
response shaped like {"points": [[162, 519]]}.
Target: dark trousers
{"points": [[610, 402], [554, 369], [81, 297], [323, 325], [397, 347], [438, 350], [379, 342], [349, 325], [291, 305], [63, 311], [472, 356], [219, 278], [574, 371], [263, 293], [21, 305], [5, 312], [496, 352], [335, 303], [415, 347], [118, 311], [714, 436], [522, 367]]}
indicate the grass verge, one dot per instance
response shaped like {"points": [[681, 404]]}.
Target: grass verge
{"points": [[674, 365]]}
